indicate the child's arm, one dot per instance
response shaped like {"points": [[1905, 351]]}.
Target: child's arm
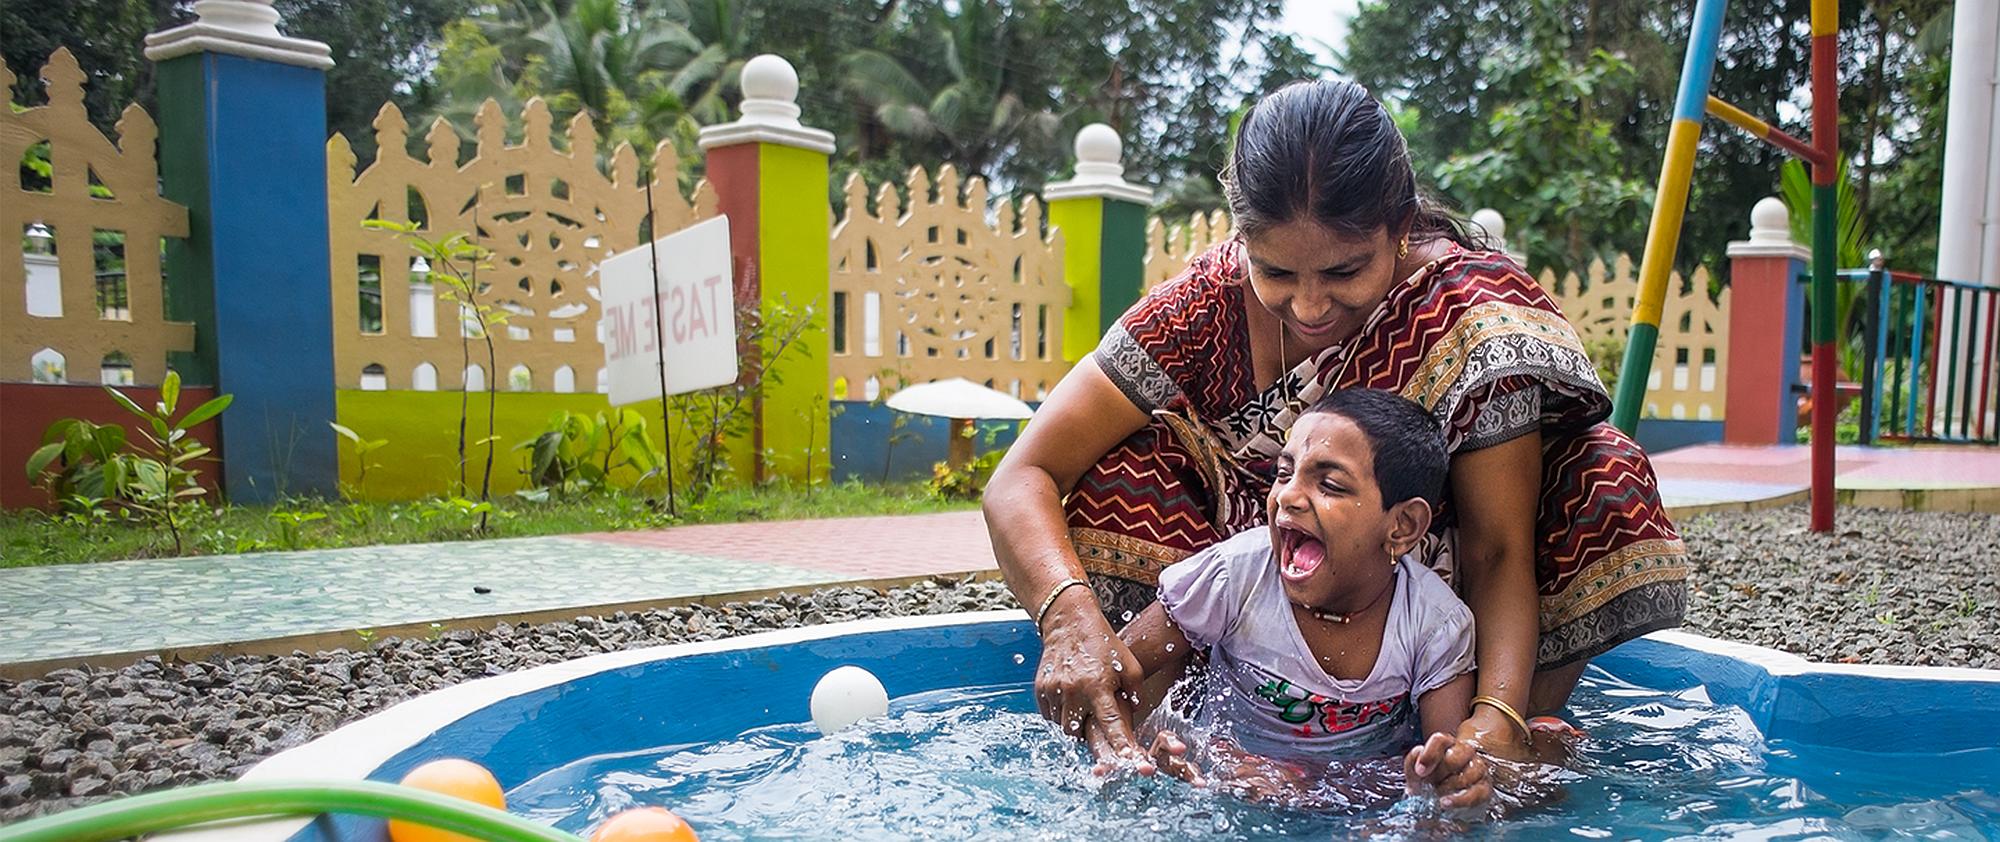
{"points": [[1153, 639], [1161, 649], [1453, 766]]}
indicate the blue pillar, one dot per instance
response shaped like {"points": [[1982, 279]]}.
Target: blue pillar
{"points": [[243, 146]]}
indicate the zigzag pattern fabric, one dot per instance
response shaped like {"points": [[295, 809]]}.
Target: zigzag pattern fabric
{"points": [[1458, 337]]}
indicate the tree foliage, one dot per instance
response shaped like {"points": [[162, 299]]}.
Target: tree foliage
{"points": [[1490, 88], [1555, 112]]}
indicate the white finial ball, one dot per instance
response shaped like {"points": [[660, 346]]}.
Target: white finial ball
{"points": [[1492, 222], [770, 76], [1769, 220], [845, 696], [1098, 143]]}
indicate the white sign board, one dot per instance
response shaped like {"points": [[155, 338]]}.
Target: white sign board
{"points": [[693, 315]]}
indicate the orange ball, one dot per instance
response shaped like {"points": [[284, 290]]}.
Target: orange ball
{"points": [[645, 824], [456, 778]]}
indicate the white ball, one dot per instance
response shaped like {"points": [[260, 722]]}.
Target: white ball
{"points": [[845, 696]]}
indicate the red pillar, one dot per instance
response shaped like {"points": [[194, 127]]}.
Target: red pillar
{"points": [[1766, 330]]}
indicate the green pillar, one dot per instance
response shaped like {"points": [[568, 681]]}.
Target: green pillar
{"points": [[770, 178], [1103, 221]]}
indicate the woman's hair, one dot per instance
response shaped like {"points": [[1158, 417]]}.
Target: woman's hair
{"points": [[1326, 150]]}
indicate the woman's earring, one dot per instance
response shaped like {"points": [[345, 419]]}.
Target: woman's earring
{"points": [[1403, 248]]}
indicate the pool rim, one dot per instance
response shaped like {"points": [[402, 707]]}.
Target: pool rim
{"points": [[353, 751]]}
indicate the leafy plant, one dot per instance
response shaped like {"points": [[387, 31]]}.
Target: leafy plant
{"points": [[455, 261], [578, 453], [363, 452], [460, 512], [712, 418], [948, 483], [92, 469], [289, 524], [157, 483]]}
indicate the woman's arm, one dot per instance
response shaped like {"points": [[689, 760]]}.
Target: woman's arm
{"points": [[1076, 684], [1496, 490]]}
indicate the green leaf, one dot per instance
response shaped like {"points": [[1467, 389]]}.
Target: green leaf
{"points": [[59, 431], [128, 404], [150, 477], [41, 458], [108, 440], [208, 410], [346, 433], [170, 392]]}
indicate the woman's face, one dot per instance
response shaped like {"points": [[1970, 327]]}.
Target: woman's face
{"points": [[1320, 283]]}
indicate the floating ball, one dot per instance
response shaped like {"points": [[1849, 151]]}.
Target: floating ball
{"points": [[456, 778], [845, 696], [645, 824]]}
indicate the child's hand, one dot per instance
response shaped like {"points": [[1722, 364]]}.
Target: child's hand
{"points": [[1170, 754], [1453, 766]]}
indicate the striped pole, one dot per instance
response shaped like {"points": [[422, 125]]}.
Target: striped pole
{"points": [[1669, 205], [1825, 139]]}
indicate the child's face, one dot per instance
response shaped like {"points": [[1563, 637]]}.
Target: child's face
{"points": [[1329, 531]]}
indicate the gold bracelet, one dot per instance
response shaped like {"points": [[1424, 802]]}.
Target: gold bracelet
{"points": [[1050, 600], [1506, 710]]}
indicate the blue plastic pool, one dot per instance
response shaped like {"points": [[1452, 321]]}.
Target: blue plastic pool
{"points": [[1690, 739]]}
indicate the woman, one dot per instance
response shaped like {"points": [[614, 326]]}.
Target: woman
{"points": [[1341, 275]]}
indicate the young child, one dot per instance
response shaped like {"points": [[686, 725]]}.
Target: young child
{"points": [[1325, 640]]}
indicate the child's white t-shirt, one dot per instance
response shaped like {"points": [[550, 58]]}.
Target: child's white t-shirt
{"points": [[1265, 689]]}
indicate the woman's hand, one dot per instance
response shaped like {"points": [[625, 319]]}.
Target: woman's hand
{"points": [[1089, 680], [1495, 734]]}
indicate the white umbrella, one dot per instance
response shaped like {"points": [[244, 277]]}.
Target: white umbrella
{"points": [[961, 400]]}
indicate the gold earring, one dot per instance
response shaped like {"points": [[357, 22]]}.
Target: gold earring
{"points": [[1403, 248]]}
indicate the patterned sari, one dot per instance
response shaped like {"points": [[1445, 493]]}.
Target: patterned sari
{"points": [[1472, 339]]}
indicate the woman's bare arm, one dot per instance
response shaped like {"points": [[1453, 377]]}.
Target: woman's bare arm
{"points": [[1082, 420], [1496, 491]]}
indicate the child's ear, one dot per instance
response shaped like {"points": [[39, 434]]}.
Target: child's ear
{"points": [[1408, 521]]}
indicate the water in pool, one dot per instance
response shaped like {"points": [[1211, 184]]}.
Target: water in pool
{"points": [[979, 763]]}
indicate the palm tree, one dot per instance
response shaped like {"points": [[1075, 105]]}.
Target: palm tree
{"points": [[641, 75], [977, 108]]}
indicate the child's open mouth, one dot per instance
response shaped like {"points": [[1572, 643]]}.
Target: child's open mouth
{"points": [[1299, 554]]}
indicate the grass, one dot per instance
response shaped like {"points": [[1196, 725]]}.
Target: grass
{"points": [[29, 539]]}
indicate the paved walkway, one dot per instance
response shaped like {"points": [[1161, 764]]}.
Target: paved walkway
{"points": [[108, 613]]}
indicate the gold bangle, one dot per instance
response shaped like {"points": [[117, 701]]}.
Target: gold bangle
{"points": [[1506, 710], [1050, 600]]}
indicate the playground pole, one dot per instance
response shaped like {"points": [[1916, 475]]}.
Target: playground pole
{"points": [[1825, 139], [1669, 205]]}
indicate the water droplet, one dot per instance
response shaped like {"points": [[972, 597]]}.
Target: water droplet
{"points": [[1170, 647], [1118, 666], [1020, 659], [1127, 616]]}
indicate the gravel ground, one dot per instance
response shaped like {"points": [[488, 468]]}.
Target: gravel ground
{"points": [[77, 736], [1892, 588]]}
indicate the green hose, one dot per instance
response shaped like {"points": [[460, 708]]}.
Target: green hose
{"points": [[154, 812]]}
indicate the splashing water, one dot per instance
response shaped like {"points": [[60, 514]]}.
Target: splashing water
{"points": [[978, 763]]}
